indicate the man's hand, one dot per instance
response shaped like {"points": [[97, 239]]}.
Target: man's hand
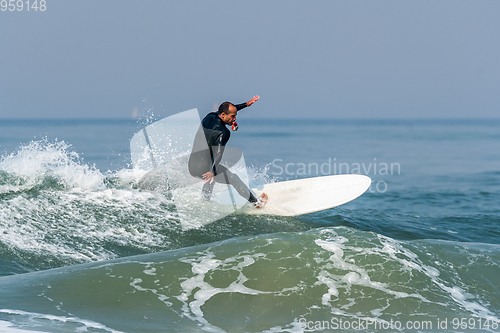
{"points": [[209, 176], [253, 100]]}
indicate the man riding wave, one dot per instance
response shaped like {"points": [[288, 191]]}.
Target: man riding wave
{"points": [[208, 148]]}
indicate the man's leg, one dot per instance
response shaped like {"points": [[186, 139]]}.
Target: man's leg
{"points": [[227, 177], [197, 167], [207, 190]]}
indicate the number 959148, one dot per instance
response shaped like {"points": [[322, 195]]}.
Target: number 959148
{"points": [[20, 5]]}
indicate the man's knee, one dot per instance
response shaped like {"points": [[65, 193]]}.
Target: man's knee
{"points": [[231, 177]]}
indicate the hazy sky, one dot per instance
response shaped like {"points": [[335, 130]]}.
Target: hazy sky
{"points": [[335, 59]]}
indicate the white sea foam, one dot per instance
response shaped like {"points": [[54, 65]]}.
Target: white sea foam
{"points": [[37, 320], [6, 327], [39, 159], [413, 262], [136, 281], [355, 275], [93, 216], [76, 214], [192, 303]]}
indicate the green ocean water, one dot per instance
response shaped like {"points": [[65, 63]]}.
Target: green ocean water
{"points": [[82, 249]]}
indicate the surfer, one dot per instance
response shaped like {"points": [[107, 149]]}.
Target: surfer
{"points": [[208, 147]]}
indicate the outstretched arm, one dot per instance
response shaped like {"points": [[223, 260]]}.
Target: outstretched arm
{"points": [[250, 102], [253, 100]]}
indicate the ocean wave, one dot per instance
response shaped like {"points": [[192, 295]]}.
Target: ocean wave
{"points": [[55, 211], [270, 282], [45, 164]]}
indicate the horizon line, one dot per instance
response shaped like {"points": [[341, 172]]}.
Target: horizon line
{"points": [[261, 118]]}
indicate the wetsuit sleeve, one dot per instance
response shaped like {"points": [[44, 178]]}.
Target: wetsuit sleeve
{"points": [[241, 106], [217, 151]]}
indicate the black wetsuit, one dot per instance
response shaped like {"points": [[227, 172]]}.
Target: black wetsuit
{"points": [[206, 155]]}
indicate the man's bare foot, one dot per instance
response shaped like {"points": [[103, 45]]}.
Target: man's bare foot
{"points": [[261, 201]]}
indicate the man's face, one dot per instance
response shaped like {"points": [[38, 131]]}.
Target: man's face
{"points": [[230, 117]]}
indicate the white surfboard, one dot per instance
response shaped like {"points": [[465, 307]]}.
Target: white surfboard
{"points": [[163, 148], [304, 196], [287, 198]]}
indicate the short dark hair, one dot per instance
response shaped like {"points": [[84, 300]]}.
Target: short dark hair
{"points": [[224, 107]]}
